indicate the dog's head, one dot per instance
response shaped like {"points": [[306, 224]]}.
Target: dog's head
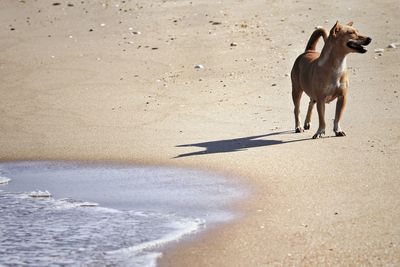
{"points": [[349, 38]]}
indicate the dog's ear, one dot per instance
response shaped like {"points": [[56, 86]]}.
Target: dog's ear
{"points": [[335, 29], [350, 24]]}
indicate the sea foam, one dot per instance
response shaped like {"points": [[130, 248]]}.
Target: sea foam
{"points": [[4, 180]]}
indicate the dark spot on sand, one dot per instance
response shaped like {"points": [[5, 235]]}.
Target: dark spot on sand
{"points": [[56, 4]]}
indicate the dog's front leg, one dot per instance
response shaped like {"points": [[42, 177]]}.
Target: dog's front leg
{"points": [[321, 116], [340, 104]]}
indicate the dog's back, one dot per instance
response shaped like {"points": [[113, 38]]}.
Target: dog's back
{"points": [[310, 54]]}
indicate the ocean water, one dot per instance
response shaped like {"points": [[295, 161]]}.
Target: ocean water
{"points": [[71, 214]]}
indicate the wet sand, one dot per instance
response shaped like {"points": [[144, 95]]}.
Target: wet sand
{"points": [[117, 81]]}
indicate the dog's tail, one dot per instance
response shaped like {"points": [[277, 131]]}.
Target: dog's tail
{"points": [[312, 43]]}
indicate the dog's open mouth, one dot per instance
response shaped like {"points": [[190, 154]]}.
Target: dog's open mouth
{"points": [[359, 45]]}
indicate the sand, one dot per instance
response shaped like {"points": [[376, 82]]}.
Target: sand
{"points": [[116, 81]]}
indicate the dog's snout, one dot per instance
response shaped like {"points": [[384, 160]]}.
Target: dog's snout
{"points": [[368, 41]]}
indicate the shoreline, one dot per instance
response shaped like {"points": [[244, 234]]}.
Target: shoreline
{"points": [[80, 83], [76, 183]]}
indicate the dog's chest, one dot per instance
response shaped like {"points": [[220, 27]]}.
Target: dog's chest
{"points": [[336, 82], [335, 89]]}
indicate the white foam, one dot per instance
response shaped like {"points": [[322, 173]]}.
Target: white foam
{"points": [[60, 227], [183, 227], [4, 180], [40, 194], [72, 203], [143, 254]]}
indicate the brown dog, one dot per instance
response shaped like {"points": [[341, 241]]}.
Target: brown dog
{"points": [[324, 76]]}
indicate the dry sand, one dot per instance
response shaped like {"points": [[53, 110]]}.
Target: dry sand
{"points": [[115, 80]]}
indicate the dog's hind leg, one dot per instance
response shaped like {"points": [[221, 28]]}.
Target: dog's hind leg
{"points": [[307, 122], [340, 104], [296, 95]]}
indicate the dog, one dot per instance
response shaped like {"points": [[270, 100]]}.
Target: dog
{"points": [[323, 76]]}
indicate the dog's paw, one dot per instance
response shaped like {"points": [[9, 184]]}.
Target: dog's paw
{"points": [[299, 130], [340, 133], [319, 134], [307, 126]]}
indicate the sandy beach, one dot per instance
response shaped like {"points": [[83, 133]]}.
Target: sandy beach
{"points": [[117, 81]]}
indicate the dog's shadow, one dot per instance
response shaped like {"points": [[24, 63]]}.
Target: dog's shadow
{"points": [[237, 144]]}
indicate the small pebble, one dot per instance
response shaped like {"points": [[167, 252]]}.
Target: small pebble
{"points": [[233, 44], [392, 45], [199, 66], [379, 50], [274, 84]]}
